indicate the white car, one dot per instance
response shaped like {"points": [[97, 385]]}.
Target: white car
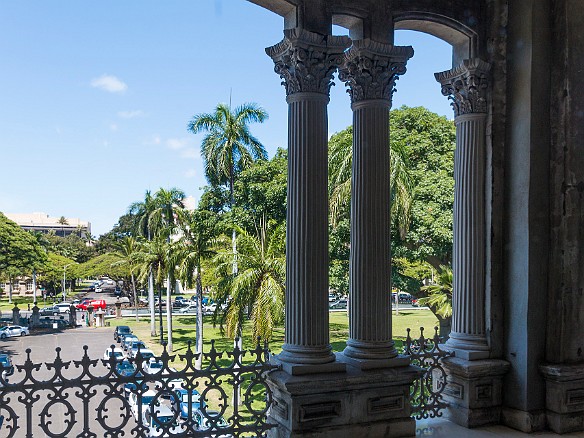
{"points": [[64, 307], [13, 330], [134, 346], [117, 353], [189, 308], [145, 401], [146, 354]]}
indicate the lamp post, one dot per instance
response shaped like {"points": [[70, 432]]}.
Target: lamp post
{"points": [[64, 280]]}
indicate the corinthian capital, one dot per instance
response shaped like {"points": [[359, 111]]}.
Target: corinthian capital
{"points": [[371, 69], [306, 61], [466, 86]]}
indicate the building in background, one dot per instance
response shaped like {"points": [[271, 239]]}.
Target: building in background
{"points": [[42, 222]]}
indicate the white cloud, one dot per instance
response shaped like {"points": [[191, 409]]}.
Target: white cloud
{"points": [[130, 114], [191, 173], [176, 143], [189, 153], [109, 83], [114, 127]]}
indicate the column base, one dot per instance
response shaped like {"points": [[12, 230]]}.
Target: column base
{"points": [[299, 369], [372, 364], [564, 397], [338, 405], [474, 390], [525, 421], [467, 347]]}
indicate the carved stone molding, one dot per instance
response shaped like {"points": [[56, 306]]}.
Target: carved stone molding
{"points": [[371, 69], [306, 61], [466, 86]]}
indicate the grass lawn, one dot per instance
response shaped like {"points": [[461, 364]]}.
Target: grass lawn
{"points": [[184, 326]]}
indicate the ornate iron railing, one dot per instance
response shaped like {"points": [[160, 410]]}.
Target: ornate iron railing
{"points": [[426, 392], [96, 397]]}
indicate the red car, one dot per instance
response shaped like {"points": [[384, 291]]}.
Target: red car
{"points": [[97, 304]]}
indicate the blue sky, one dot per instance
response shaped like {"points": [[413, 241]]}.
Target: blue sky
{"points": [[95, 97]]}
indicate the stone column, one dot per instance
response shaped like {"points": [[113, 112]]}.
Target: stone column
{"points": [[474, 382], [15, 315], [466, 85], [306, 62], [35, 318], [370, 71]]}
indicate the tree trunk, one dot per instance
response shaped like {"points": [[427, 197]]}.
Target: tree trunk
{"points": [[169, 313], [151, 303], [199, 333], [10, 290], [135, 296], [160, 314]]}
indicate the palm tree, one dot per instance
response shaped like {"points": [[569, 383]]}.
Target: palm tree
{"points": [[127, 254], [401, 189], [163, 220], [152, 261], [196, 245], [228, 147], [142, 211], [439, 298], [258, 289]]}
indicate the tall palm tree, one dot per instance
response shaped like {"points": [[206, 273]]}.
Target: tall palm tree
{"points": [[401, 189], [163, 220], [197, 242], [153, 262], [228, 147], [257, 292], [142, 211], [127, 255]]}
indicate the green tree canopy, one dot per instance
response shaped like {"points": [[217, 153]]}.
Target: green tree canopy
{"points": [[20, 251]]}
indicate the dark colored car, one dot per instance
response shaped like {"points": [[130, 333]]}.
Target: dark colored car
{"points": [[49, 311], [125, 368], [6, 363], [121, 330]]}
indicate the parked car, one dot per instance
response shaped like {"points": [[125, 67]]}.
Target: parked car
{"points": [[203, 423], [181, 402], [133, 348], [121, 329], [64, 307], [118, 291], [146, 354], [339, 304], [13, 330], [209, 309], [159, 418], [128, 339], [7, 367], [49, 311], [125, 368], [117, 353], [134, 401], [189, 308], [402, 297], [96, 304]]}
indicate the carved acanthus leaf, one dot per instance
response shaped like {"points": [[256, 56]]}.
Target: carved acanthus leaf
{"points": [[306, 61], [466, 86], [371, 69]]}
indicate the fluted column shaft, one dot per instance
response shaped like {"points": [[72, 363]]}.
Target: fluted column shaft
{"points": [[307, 333], [307, 61], [370, 71], [466, 86], [370, 333]]}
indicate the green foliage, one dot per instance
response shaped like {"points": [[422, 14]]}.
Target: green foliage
{"points": [[430, 141], [257, 291], [260, 191], [20, 251], [110, 241], [105, 265], [439, 294]]}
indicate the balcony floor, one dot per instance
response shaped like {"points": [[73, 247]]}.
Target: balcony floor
{"points": [[439, 428]]}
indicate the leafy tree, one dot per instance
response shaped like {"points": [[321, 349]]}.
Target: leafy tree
{"points": [[51, 274], [260, 191], [125, 227], [20, 252], [106, 265], [127, 255]]}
